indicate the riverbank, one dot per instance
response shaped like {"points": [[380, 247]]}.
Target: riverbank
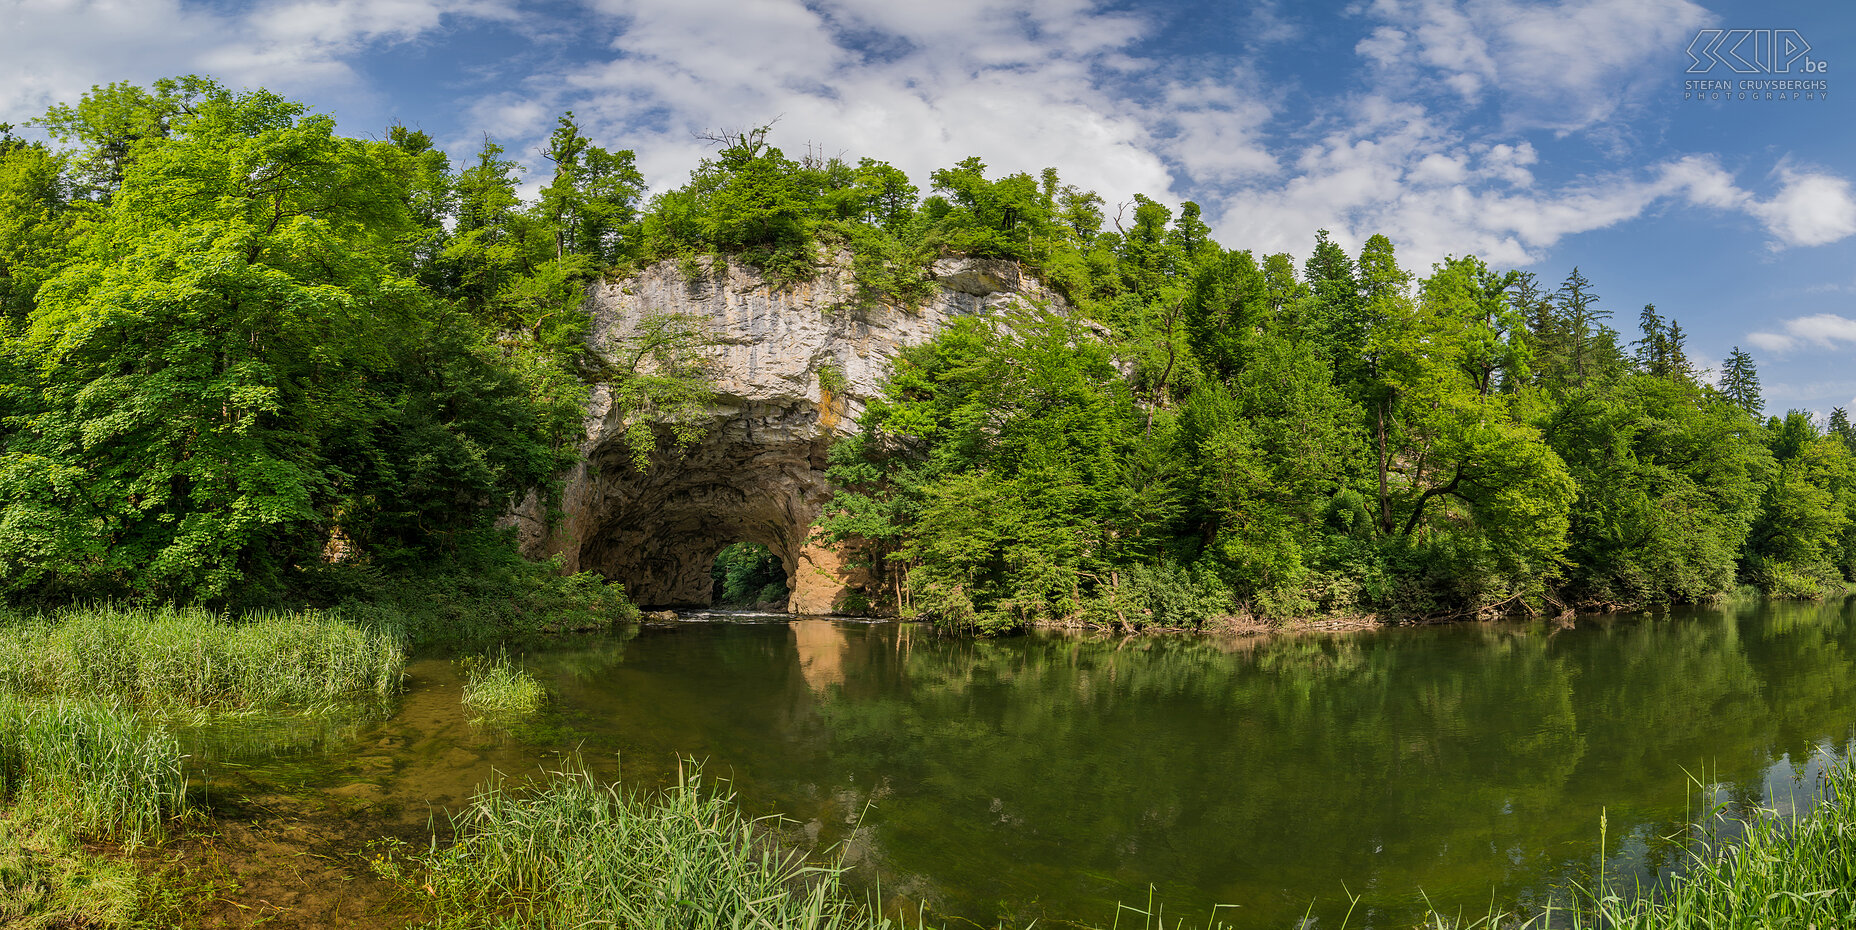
{"points": [[1354, 622]]}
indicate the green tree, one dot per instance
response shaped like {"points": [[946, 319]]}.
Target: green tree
{"points": [[591, 204], [1797, 540], [1669, 485], [113, 124], [1740, 382], [1583, 320], [235, 364], [1011, 472], [1471, 484], [36, 224]]}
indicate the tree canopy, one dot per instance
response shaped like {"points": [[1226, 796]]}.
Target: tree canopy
{"points": [[239, 346]]}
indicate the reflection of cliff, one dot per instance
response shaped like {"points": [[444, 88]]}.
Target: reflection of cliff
{"points": [[821, 652]]}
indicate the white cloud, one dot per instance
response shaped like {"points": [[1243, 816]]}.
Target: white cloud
{"points": [[1266, 25], [1811, 208], [1564, 65], [1015, 83], [1396, 167], [1823, 330], [1026, 84], [53, 51], [1214, 132], [1771, 342]]}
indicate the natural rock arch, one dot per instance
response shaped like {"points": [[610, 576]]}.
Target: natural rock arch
{"points": [[758, 475]]}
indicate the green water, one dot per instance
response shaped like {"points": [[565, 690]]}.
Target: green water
{"points": [[1048, 777]]}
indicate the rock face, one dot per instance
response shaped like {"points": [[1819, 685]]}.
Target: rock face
{"points": [[759, 475]]}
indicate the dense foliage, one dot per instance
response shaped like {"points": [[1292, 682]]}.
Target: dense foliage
{"points": [[1205, 433], [746, 574], [241, 351], [247, 359]]}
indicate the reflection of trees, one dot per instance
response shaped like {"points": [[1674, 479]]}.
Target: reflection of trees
{"points": [[1054, 775], [1263, 773]]}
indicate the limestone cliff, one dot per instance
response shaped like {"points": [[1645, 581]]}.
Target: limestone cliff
{"points": [[759, 475]]}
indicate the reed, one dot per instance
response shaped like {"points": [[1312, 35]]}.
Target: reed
{"points": [[498, 688], [1780, 871], [164, 657], [576, 853], [95, 769]]}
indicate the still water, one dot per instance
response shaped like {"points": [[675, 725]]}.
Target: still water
{"points": [[1049, 777]]}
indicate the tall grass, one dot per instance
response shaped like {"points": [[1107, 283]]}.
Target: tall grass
{"points": [[169, 657], [496, 687], [96, 769], [576, 853], [1782, 871]]}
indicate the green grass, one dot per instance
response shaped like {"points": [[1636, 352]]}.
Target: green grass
{"points": [[186, 658], [578, 853], [499, 688], [89, 768], [1781, 871], [49, 881]]}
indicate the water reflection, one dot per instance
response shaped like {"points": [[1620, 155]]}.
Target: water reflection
{"points": [[821, 652], [1048, 777]]}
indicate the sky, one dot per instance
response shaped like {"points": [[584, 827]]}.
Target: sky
{"points": [[1538, 136]]}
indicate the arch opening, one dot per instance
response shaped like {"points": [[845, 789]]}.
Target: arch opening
{"points": [[748, 575], [757, 476]]}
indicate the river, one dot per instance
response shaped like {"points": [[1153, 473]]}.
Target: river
{"points": [[1048, 777]]}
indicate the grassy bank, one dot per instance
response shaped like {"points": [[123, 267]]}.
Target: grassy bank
{"points": [[48, 880], [477, 599], [86, 758], [187, 658], [92, 768], [1783, 872], [578, 853]]}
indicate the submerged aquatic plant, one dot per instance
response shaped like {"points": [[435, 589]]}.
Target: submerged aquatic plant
{"points": [[189, 658], [498, 687], [576, 852]]}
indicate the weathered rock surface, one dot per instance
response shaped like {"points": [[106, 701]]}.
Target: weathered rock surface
{"points": [[759, 475]]}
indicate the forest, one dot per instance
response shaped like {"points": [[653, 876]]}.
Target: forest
{"points": [[247, 362]]}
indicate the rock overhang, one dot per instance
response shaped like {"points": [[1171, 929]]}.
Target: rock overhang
{"points": [[758, 472]]}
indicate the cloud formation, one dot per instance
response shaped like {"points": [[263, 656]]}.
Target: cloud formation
{"points": [[1820, 330], [1434, 137], [53, 51], [1550, 65], [1022, 85]]}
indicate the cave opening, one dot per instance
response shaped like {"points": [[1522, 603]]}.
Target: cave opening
{"points": [[749, 575]]}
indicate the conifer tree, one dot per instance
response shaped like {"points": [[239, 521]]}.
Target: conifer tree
{"points": [[1740, 382]]}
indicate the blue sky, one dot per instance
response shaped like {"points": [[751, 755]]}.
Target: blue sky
{"points": [[1539, 136]]}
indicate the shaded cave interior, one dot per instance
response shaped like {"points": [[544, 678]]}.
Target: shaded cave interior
{"points": [[758, 477]]}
